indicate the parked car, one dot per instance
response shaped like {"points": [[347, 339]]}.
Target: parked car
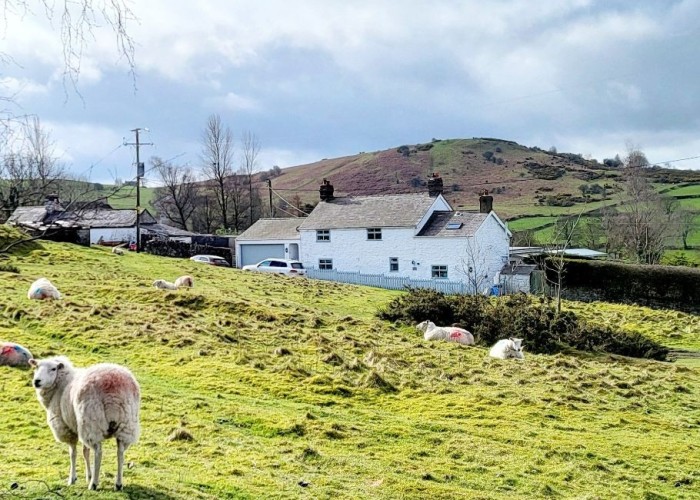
{"points": [[280, 266], [213, 260]]}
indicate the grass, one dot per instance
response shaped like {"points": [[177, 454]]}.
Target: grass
{"points": [[291, 388], [126, 198], [530, 223]]}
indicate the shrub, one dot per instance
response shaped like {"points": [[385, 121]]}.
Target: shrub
{"points": [[9, 268], [418, 305]]}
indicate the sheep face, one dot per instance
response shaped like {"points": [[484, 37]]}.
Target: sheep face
{"points": [[47, 372], [516, 344], [423, 326]]}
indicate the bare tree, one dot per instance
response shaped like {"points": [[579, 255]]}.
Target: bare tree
{"points": [[206, 213], [176, 198], [635, 157], [685, 221], [474, 265], [251, 150], [217, 160]]}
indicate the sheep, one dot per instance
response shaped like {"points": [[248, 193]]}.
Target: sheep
{"points": [[89, 405], [164, 285], [12, 354], [186, 280], [43, 289], [507, 348], [449, 333], [117, 251]]}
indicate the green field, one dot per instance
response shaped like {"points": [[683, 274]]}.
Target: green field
{"points": [[126, 198], [292, 388], [526, 223], [684, 191]]}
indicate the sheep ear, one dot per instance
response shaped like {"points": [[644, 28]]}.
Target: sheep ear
{"points": [[33, 363], [511, 338], [60, 366]]}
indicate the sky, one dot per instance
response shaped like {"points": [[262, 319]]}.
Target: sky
{"points": [[314, 79]]}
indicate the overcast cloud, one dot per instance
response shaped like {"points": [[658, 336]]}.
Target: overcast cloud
{"points": [[318, 79]]}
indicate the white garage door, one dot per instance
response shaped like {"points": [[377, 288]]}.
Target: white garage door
{"points": [[252, 254]]}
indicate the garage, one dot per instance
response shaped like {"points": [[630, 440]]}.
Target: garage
{"points": [[254, 253]]}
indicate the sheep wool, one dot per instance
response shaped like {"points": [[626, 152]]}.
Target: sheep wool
{"points": [[164, 285], [89, 405], [448, 333], [184, 281], [507, 348], [12, 354], [43, 289]]}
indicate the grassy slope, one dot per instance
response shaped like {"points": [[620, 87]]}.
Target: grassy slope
{"points": [[126, 198], [358, 408]]}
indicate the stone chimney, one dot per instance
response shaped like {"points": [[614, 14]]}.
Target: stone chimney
{"points": [[51, 204], [434, 184], [326, 190], [485, 202]]}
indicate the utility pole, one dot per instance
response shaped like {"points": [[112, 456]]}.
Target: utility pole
{"points": [[269, 188], [139, 173]]}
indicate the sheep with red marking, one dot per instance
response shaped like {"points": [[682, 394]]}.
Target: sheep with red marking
{"points": [[89, 405], [43, 289], [184, 281], [12, 354], [449, 333]]}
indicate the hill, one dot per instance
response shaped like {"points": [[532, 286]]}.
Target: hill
{"points": [[523, 180], [293, 388]]}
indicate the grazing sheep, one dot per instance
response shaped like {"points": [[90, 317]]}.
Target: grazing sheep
{"points": [[12, 354], [187, 281], [118, 251], [43, 289], [449, 333], [89, 405], [164, 285], [507, 348]]}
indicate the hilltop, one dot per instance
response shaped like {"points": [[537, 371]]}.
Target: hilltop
{"points": [[294, 388]]}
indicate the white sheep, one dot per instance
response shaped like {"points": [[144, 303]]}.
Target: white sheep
{"points": [[164, 285], [507, 348], [117, 251], [449, 333], [186, 280], [43, 289], [12, 354], [89, 405]]}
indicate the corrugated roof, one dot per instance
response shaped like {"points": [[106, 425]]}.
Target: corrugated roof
{"points": [[392, 210], [518, 269], [272, 229], [164, 229], [468, 223]]}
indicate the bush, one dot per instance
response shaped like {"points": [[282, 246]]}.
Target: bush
{"points": [[536, 321], [9, 268]]}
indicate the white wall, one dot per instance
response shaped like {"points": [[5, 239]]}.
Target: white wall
{"points": [[127, 234], [351, 251]]}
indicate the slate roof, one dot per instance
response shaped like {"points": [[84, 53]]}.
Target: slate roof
{"points": [[37, 216], [272, 229], [28, 216], [164, 229], [391, 210], [468, 223]]}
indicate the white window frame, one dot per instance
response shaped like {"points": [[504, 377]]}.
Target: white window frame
{"points": [[325, 264], [323, 235], [393, 262], [374, 234], [437, 270]]}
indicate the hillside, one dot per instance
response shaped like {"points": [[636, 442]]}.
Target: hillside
{"points": [[520, 178], [292, 388]]}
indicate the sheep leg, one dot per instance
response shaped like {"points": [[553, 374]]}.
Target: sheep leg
{"points": [[120, 464], [72, 475], [97, 450], [88, 468]]}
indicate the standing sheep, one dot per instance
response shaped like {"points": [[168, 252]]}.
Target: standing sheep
{"points": [[89, 405], [43, 289], [507, 348], [449, 333], [186, 280], [12, 354]]}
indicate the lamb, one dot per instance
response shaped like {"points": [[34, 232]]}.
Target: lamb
{"points": [[449, 333], [186, 280], [164, 285], [43, 289], [118, 251], [12, 354], [507, 348], [89, 405]]}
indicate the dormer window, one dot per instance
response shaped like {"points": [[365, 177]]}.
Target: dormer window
{"points": [[374, 233]]}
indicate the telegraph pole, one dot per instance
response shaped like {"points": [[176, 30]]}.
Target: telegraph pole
{"points": [[269, 188], [139, 173]]}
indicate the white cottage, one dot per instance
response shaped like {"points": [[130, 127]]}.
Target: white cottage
{"points": [[415, 235]]}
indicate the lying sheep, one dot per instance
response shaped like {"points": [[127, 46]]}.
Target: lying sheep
{"points": [[43, 289], [12, 354], [186, 280], [164, 285], [89, 405], [507, 348], [449, 333], [118, 251]]}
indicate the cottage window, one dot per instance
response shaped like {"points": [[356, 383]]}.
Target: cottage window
{"points": [[393, 263], [323, 235], [325, 264], [374, 233], [439, 272]]}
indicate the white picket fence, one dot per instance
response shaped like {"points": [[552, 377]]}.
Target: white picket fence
{"points": [[388, 282]]}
